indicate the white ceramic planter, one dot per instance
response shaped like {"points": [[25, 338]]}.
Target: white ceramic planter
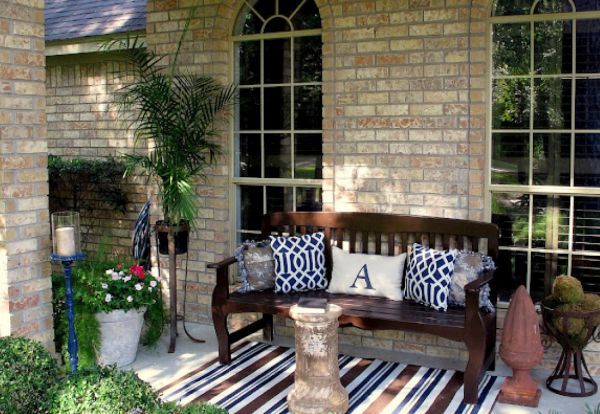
{"points": [[120, 335]]}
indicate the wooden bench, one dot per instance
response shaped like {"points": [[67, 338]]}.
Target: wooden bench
{"points": [[386, 234]]}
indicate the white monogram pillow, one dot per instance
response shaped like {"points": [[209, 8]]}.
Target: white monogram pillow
{"points": [[367, 274]]}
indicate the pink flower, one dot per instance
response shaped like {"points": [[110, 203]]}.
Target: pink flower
{"points": [[138, 286], [129, 299], [108, 297], [115, 276], [153, 283], [120, 266], [126, 279]]}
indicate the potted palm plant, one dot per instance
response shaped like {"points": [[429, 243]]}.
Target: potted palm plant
{"points": [[176, 116]]}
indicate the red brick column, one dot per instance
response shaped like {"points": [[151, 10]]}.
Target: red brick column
{"points": [[25, 288]]}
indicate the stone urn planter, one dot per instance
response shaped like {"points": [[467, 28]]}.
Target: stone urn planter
{"points": [[120, 335]]}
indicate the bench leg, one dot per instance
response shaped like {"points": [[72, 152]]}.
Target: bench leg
{"points": [[220, 324], [473, 372], [268, 327]]}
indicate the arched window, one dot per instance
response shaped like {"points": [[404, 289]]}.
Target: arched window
{"points": [[545, 141], [278, 122]]}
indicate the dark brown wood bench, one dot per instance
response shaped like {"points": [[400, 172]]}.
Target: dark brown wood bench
{"points": [[386, 234]]}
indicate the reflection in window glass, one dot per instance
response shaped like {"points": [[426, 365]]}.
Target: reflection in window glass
{"points": [[550, 225], [551, 159], [280, 199], [511, 49], [277, 108], [510, 158], [587, 160], [553, 44], [248, 66], [307, 59], [278, 57], [511, 104], [510, 212], [587, 270], [587, 5], [544, 268], [308, 114], [552, 6], [251, 201], [552, 103], [512, 269], [308, 156], [249, 118], [249, 155], [278, 155], [308, 199]]}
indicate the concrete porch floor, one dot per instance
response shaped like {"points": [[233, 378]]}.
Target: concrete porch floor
{"points": [[158, 367]]}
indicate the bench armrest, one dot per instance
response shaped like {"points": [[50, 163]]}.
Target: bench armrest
{"points": [[221, 291], [485, 278]]}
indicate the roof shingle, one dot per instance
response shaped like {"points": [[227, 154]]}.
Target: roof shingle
{"points": [[71, 19]]}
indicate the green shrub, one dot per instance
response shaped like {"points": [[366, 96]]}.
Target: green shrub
{"points": [[171, 408], [104, 390], [27, 371]]}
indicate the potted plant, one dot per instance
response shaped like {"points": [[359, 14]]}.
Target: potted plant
{"points": [[121, 298], [176, 116]]}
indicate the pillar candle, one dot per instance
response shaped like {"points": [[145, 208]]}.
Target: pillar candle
{"points": [[65, 241]]}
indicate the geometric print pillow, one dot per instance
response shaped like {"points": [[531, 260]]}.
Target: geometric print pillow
{"points": [[428, 276], [299, 262]]}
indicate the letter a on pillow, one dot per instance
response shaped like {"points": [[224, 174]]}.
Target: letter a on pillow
{"points": [[367, 274]]}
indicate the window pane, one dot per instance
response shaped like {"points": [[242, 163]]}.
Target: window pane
{"points": [[249, 62], [544, 269], [511, 49], [280, 199], [278, 61], [552, 6], [552, 104], [550, 222], [287, 7], [307, 59], [277, 108], [245, 236], [510, 213], [587, 5], [278, 24], [511, 272], [587, 160], [511, 103], [308, 108], [265, 8], [249, 23], [587, 104], [586, 234], [551, 159], [587, 270], [308, 199], [249, 155], [249, 108], [308, 156], [251, 207], [511, 7], [307, 17], [588, 46], [278, 155], [553, 47], [510, 158]]}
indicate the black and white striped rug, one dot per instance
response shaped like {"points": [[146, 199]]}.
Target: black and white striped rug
{"points": [[260, 377]]}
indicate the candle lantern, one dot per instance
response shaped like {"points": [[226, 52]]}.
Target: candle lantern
{"points": [[66, 248]]}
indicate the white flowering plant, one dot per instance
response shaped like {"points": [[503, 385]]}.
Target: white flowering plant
{"points": [[125, 288]]}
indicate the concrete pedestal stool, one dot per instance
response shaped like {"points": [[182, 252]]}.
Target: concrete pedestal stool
{"points": [[317, 387]]}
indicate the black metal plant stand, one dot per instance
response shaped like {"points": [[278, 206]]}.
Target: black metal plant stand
{"points": [[571, 368], [67, 262]]}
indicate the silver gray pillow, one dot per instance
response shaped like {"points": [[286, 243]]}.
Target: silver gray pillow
{"points": [[257, 267], [468, 267]]}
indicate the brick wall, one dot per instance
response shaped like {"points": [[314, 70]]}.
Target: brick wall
{"points": [[25, 294], [83, 123]]}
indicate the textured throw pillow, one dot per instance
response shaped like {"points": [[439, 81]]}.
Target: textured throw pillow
{"points": [[299, 262], [468, 267], [257, 267], [366, 274], [428, 276]]}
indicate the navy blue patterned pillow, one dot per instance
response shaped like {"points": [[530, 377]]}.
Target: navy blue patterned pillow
{"points": [[299, 262], [428, 276]]}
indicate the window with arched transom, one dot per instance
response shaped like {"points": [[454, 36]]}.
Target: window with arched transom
{"points": [[545, 141], [278, 120]]}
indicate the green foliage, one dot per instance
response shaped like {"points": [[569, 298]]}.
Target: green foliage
{"points": [[103, 390], [26, 372], [172, 408], [75, 176], [176, 115]]}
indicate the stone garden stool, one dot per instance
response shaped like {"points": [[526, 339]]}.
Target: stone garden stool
{"points": [[317, 387]]}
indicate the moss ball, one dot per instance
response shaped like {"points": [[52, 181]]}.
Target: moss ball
{"points": [[567, 289], [574, 325], [551, 301], [591, 301]]}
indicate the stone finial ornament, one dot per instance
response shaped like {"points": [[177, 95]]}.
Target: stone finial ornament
{"points": [[521, 350]]}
